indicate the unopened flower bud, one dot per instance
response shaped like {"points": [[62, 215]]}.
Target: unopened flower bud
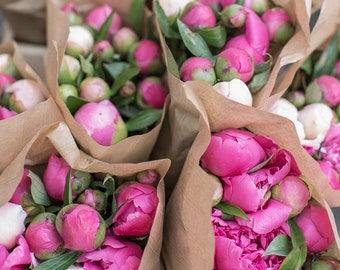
{"points": [[218, 194], [128, 89], [81, 227], [233, 16], [198, 69], [103, 50], [69, 70], [42, 237], [322, 263], [22, 194], [7, 66], [297, 98], [94, 89], [123, 40], [94, 198], [73, 13], [79, 42], [5, 113], [5, 81], [149, 177], [173, 8], [151, 93], [67, 90], [234, 63], [258, 6]]}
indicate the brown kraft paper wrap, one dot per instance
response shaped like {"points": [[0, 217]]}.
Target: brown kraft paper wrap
{"points": [[132, 149], [188, 234], [57, 138], [16, 131]]}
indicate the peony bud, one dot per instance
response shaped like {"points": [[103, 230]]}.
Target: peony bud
{"points": [[42, 237], [292, 191], [234, 63], [128, 89], [69, 70], [146, 54], [102, 122], [319, 235], [279, 25], [149, 177], [137, 204], [331, 173], [297, 98], [73, 13], [67, 90], [81, 227], [5, 81], [198, 69], [97, 16], [22, 194], [322, 263], [151, 93], [214, 4], [285, 108], [103, 50], [79, 42], [123, 40], [235, 90], [7, 66], [94, 89], [258, 6], [25, 94], [316, 119], [233, 16], [5, 113], [94, 198], [12, 225], [198, 16], [174, 7]]}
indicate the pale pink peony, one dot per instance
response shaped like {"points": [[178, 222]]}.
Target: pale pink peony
{"points": [[198, 68], [94, 89], [79, 41]]}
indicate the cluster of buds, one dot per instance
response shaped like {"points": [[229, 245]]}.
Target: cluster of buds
{"points": [[17, 94], [80, 212], [113, 71], [247, 36]]}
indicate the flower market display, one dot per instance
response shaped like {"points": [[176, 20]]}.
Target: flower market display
{"points": [[192, 134]]}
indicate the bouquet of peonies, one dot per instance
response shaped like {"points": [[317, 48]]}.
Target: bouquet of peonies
{"points": [[71, 210], [105, 71], [234, 205]]}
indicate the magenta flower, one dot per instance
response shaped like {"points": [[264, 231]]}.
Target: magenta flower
{"points": [[24, 94], [18, 258], [330, 147], [94, 89], [102, 122], [232, 152], [279, 25], [22, 194], [123, 40], [146, 54], [328, 88], [198, 68], [198, 16], [331, 173], [137, 204], [97, 16], [319, 235], [81, 227], [292, 191], [237, 247], [149, 176], [5, 113], [42, 237], [5, 81], [114, 253], [151, 93], [234, 63]]}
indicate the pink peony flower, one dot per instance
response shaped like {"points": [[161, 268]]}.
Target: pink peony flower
{"points": [[12, 225], [103, 50], [5, 113], [151, 93], [22, 194], [97, 16], [329, 87], [123, 40], [331, 173], [94, 89], [102, 122], [137, 204], [114, 253], [42, 237], [330, 147], [198, 68], [149, 176], [79, 41], [5, 81], [94, 198], [81, 227], [18, 258], [319, 235]]}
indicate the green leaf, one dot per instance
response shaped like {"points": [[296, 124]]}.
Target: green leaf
{"points": [[231, 209], [38, 190], [101, 34], [194, 42], [281, 245], [116, 68], [298, 240], [120, 101], [124, 76], [68, 189], [216, 36], [74, 103], [163, 21], [326, 62], [61, 262], [86, 66], [129, 111], [258, 81], [143, 119], [136, 15], [291, 262], [110, 185]]}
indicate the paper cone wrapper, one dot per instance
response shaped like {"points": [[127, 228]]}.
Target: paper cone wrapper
{"points": [[188, 233], [132, 149], [16, 131], [58, 139]]}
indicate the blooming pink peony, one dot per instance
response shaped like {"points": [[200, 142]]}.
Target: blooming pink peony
{"points": [[198, 68], [81, 227], [319, 235], [137, 204], [18, 258], [114, 253], [151, 93]]}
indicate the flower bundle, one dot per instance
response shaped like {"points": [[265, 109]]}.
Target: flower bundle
{"points": [[109, 83], [90, 215], [218, 41]]}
